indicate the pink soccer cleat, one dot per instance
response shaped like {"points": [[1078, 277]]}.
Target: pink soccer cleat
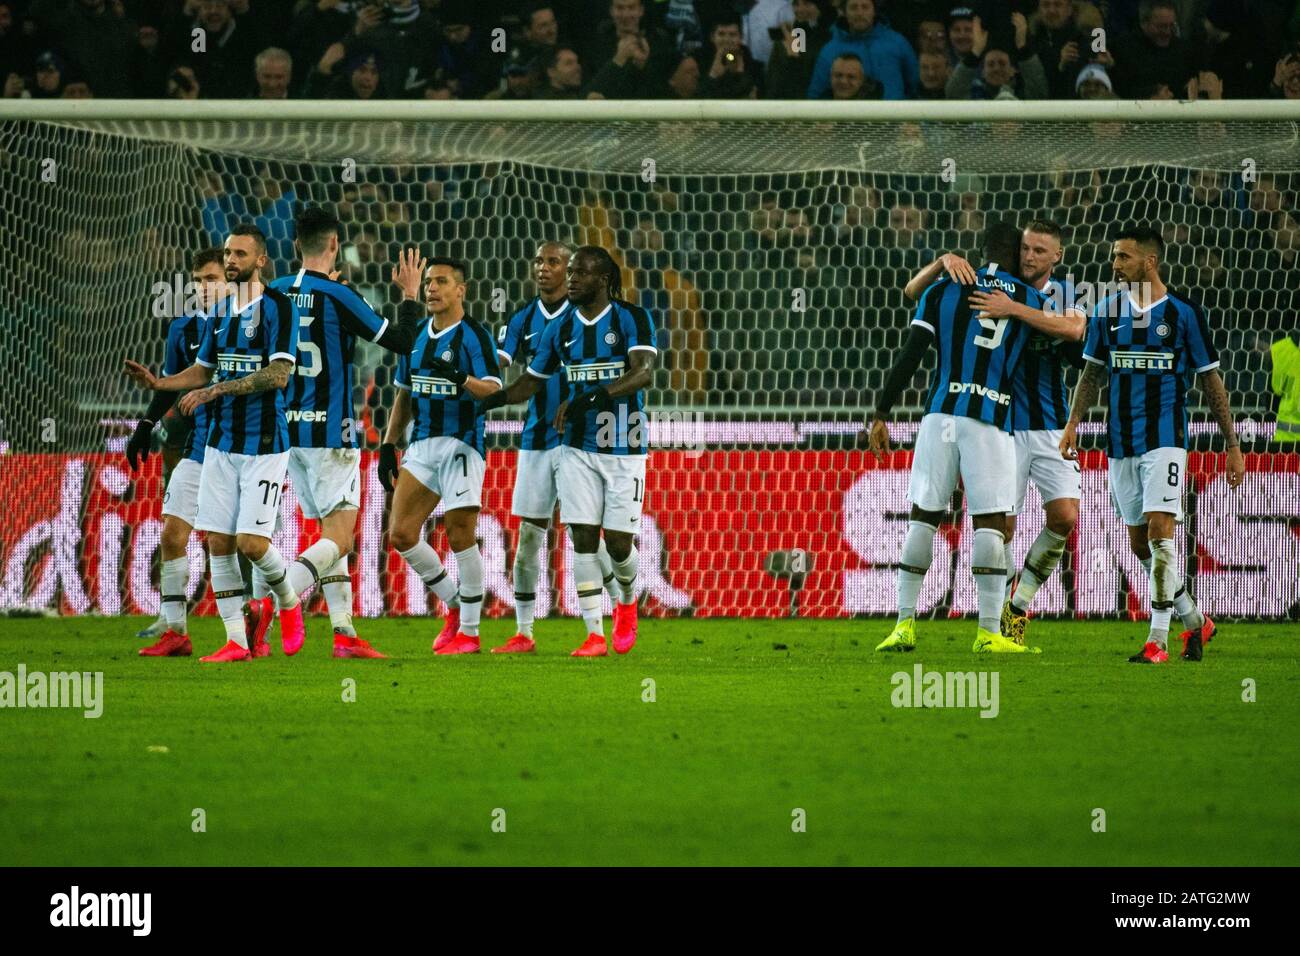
{"points": [[292, 631], [171, 644], [231, 652], [1193, 641], [460, 644], [349, 646], [593, 646], [1151, 653], [624, 627], [519, 644], [450, 628]]}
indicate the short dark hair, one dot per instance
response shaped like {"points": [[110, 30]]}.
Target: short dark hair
{"points": [[850, 55], [552, 56], [1045, 227], [726, 20], [559, 244], [1148, 239], [248, 229], [312, 228], [203, 256], [1001, 244], [459, 266]]}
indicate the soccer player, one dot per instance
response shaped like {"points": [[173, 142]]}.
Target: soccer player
{"points": [[324, 461], [251, 342], [1145, 348], [606, 349], [181, 498], [536, 474], [451, 364], [1039, 408], [965, 432]]}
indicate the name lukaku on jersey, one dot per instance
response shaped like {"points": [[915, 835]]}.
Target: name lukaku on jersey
{"points": [[970, 388], [238, 364], [595, 371], [1142, 361]]}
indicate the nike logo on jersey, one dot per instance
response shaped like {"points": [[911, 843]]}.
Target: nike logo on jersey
{"points": [[194, 347], [570, 342], [1116, 328], [530, 335]]}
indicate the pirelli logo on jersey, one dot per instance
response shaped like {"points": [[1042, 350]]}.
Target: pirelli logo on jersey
{"points": [[1142, 361], [434, 386], [306, 415], [595, 371], [970, 388], [235, 364]]}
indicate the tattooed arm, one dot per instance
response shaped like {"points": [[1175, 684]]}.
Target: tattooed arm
{"points": [[274, 375], [1085, 397], [1216, 394]]}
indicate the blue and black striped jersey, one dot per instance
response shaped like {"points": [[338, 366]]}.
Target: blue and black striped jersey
{"points": [[975, 374], [595, 352], [517, 342], [1150, 356], [320, 410], [1040, 400], [238, 342], [184, 336], [439, 407]]}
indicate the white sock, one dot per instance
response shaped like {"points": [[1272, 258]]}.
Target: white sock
{"points": [[260, 589], [1044, 555], [625, 577], [337, 585], [306, 570], [586, 572], [987, 556], [271, 564], [527, 567], [175, 575], [606, 568], [228, 589], [1185, 607], [428, 566], [1164, 584], [913, 562], [470, 565]]}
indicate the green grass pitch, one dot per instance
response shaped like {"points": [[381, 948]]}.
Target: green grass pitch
{"points": [[751, 721]]}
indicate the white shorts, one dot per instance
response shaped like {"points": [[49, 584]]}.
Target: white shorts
{"points": [[982, 454], [240, 494], [1150, 482], [325, 479], [602, 490], [449, 468], [536, 483], [181, 499], [1038, 456]]}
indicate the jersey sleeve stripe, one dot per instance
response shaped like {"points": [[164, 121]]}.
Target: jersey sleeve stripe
{"points": [[1093, 360], [646, 348], [505, 355], [199, 361], [536, 374], [284, 355], [924, 324], [1205, 368]]}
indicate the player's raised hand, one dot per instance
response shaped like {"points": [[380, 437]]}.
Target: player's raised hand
{"points": [[996, 303], [388, 466], [957, 267], [139, 444], [1069, 443], [409, 271], [1236, 466], [878, 439], [193, 399], [140, 375]]}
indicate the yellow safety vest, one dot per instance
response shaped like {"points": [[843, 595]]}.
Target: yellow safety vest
{"points": [[1286, 383]]}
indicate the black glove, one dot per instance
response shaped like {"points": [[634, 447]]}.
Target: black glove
{"points": [[388, 466], [451, 373], [140, 443], [496, 400], [584, 402]]}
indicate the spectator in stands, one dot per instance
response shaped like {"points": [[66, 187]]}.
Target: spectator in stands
{"points": [[77, 89], [407, 42], [988, 71], [931, 37], [540, 34], [563, 72], [887, 57], [790, 66], [849, 81], [1093, 83], [317, 24], [630, 73], [273, 72], [1286, 77], [360, 77], [728, 71], [183, 84], [15, 49], [628, 25], [463, 53], [50, 72], [1152, 62], [96, 35], [519, 78], [757, 26], [1061, 44], [935, 71], [961, 32], [229, 46], [1239, 48]]}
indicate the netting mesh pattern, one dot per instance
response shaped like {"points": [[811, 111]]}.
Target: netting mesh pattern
{"points": [[778, 292]]}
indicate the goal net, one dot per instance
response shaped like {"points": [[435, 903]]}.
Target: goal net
{"points": [[772, 251]]}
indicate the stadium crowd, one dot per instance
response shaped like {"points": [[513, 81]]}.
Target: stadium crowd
{"points": [[672, 49]]}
